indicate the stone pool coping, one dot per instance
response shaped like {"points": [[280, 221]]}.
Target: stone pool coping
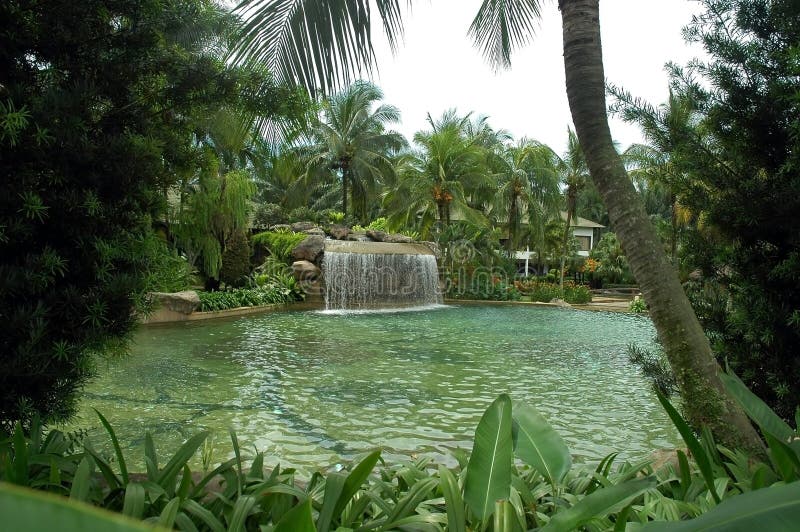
{"points": [[165, 315], [606, 306]]}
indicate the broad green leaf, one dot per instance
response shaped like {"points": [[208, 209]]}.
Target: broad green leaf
{"points": [[241, 509], [334, 484], [489, 470], [175, 465], [169, 513], [105, 468], [81, 481], [204, 514], [134, 500], [20, 456], [24, 509], [775, 509], [454, 502], [357, 477], [756, 409], [538, 444], [785, 460], [599, 503], [697, 450], [150, 457], [504, 518], [408, 504], [123, 470], [298, 519], [238, 455]]}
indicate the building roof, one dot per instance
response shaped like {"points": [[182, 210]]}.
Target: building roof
{"points": [[580, 222]]}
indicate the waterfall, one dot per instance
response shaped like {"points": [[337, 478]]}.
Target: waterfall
{"points": [[371, 275]]}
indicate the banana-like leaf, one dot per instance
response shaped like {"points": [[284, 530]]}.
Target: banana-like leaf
{"points": [[756, 409], [25, 509], [504, 518], [489, 470], [698, 452], [776, 509], [538, 444], [454, 502], [134, 500], [599, 503], [298, 519]]}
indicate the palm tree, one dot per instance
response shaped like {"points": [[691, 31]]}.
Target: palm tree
{"points": [[302, 43], [438, 179], [350, 138], [527, 190]]}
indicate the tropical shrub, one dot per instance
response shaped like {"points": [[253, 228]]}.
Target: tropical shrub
{"points": [[236, 260], [269, 214], [304, 214], [546, 291], [279, 243], [269, 294], [637, 306], [483, 289], [168, 271]]}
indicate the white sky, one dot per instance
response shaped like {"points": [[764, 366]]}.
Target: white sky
{"points": [[437, 67]]}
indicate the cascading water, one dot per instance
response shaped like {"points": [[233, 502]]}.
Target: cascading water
{"points": [[375, 275]]}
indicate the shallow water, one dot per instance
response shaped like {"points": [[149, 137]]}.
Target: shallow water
{"points": [[310, 388]]}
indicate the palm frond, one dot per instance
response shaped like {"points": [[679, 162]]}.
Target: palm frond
{"points": [[502, 25], [319, 44]]}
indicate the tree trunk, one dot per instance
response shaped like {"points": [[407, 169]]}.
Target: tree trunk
{"points": [[345, 174], [673, 241], [686, 345], [571, 192], [513, 212]]}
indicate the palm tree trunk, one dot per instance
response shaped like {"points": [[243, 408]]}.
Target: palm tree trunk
{"points": [[686, 345], [570, 214], [673, 241], [513, 212], [345, 175]]}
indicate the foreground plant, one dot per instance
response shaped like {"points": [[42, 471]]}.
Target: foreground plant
{"points": [[519, 476]]}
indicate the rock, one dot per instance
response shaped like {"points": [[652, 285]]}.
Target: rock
{"points": [[281, 228], [559, 303], [357, 236], [434, 247], [377, 236], [182, 302], [310, 249], [661, 457], [304, 270], [397, 238], [302, 227], [339, 232], [315, 231]]}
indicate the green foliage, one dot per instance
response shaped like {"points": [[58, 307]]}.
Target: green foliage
{"points": [[270, 293], [547, 290], [335, 217], [269, 214], [236, 260], [167, 271], [304, 214], [279, 243], [542, 489], [613, 267], [637, 305], [99, 106], [481, 288], [656, 369]]}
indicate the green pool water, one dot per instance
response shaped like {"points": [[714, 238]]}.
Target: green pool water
{"points": [[312, 389]]}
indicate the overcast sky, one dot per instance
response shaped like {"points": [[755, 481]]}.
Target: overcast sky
{"points": [[438, 68]]}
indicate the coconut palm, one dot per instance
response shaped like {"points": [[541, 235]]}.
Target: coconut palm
{"points": [[304, 37], [350, 138], [436, 181], [527, 191]]}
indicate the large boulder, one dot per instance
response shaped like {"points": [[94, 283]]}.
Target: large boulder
{"points": [[182, 302], [281, 228], [339, 232], [304, 270], [302, 227], [315, 231], [310, 249]]}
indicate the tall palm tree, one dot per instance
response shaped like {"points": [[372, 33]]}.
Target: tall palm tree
{"points": [[306, 36], [527, 190], [350, 138]]}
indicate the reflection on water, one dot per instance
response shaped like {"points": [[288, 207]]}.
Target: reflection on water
{"points": [[308, 388]]}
